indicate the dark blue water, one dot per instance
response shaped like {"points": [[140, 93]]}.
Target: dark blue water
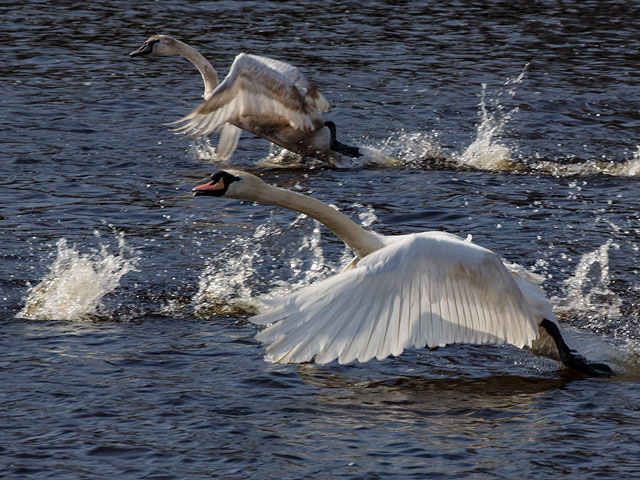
{"points": [[124, 300]]}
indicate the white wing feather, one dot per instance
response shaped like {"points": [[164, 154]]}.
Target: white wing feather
{"points": [[268, 92], [427, 289], [228, 141]]}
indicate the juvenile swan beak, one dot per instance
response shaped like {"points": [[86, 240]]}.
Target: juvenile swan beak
{"points": [[145, 49]]}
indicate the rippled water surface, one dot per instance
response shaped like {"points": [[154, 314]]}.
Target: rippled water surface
{"points": [[126, 347]]}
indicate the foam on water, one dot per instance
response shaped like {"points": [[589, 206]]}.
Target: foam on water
{"points": [[77, 282], [627, 168]]}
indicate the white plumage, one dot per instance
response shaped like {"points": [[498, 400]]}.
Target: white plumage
{"points": [[426, 289], [272, 94]]}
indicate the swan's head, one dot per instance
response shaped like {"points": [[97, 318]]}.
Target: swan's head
{"points": [[232, 184], [157, 45]]}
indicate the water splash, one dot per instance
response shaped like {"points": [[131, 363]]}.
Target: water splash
{"points": [[279, 157], [202, 149], [367, 215], [630, 168], [223, 287], [244, 270], [606, 333], [588, 292], [251, 270], [77, 283], [488, 152], [424, 149], [416, 149], [485, 152]]}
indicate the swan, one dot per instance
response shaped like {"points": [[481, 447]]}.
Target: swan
{"points": [[266, 97], [422, 289]]}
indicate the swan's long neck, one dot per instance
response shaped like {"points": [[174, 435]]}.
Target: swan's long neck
{"points": [[353, 235], [209, 75]]}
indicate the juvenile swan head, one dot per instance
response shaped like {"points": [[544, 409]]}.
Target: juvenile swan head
{"points": [[157, 45]]}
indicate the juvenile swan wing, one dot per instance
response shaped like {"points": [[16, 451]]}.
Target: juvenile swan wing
{"points": [[261, 91], [229, 137], [429, 289]]}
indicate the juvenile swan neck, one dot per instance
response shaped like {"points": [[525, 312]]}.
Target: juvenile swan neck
{"points": [[209, 75], [353, 235]]}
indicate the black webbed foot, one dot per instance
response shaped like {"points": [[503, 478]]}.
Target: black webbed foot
{"points": [[603, 369], [593, 369], [571, 359], [337, 146]]}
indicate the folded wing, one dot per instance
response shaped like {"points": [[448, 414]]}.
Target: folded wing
{"points": [[430, 289]]}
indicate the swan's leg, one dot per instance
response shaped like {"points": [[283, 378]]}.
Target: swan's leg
{"points": [[339, 147], [570, 358]]}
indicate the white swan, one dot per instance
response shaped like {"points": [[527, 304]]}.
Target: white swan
{"points": [[266, 97], [423, 289]]}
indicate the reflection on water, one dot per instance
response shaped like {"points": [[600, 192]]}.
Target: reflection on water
{"points": [[465, 418]]}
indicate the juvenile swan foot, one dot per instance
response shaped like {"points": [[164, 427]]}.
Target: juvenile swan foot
{"points": [[339, 147], [571, 359]]}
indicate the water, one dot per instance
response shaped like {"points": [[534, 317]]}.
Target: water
{"points": [[127, 350]]}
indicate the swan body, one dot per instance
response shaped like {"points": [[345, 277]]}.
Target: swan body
{"points": [[423, 289], [266, 97]]}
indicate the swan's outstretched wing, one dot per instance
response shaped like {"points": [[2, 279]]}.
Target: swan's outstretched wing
{"points": [[429, 289], [313, 99], [262, 91]]}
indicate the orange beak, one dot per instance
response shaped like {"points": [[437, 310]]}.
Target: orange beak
{"points": [[210, 188]]}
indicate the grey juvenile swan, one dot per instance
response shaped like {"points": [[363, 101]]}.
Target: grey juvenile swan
{"points": [[263, 96], [423, 289]]}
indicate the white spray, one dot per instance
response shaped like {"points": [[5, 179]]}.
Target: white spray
{"points": [[76, 283]]}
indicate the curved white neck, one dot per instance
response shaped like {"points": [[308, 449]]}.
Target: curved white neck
{"points": [[209, 75], [353, 235]]}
